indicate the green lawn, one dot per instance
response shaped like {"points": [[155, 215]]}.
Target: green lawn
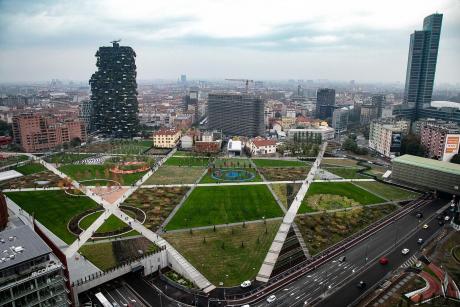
{"points": [[220, 253], [225, 204], [66, 157], [187, 161], [345, 189], [388, 191], [89, 219], [12, 160], [345, 172], [85, 172], [168, 174], [232, 163], [277, 163], [54, 209], [30, 168], [112, 223], [100, 254]]}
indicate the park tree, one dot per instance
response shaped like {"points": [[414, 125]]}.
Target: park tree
{"points": [[75, 142], [411, 145], [455, 159]]}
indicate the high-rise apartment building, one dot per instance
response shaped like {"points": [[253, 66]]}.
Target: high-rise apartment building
{"points": [[440, 139], [340, 120], [325, 103], [114, 92], [30, 274], [379, 102], [85, 113], [40, 132], [421, 66], [236, 114], [385, 135]]}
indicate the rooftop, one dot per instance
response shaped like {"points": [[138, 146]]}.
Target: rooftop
{"points": [[441, 166], [20, 244]]}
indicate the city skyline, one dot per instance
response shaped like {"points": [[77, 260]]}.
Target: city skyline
{"points": [[274, 41]]}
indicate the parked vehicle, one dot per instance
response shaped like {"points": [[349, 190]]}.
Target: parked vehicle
{"points": [[405, 251], [271, 298]]}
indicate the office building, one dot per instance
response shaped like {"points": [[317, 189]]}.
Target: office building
{"points": [[311, 135], [30, 274], [325, 103], [340, 121], [114, 92], [40, 132], [441, 140], [421, 67], [85, 113], [385, 136], [236, 114], [379, 102], [429, 174], [368, 113]]}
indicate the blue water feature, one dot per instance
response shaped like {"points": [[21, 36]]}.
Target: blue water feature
{"points": [[234, 175]]}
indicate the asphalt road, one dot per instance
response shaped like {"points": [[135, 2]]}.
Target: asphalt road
{"points": [[389, 241]]}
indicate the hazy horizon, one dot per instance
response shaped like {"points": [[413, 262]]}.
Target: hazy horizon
{"points": [[263, 40]]}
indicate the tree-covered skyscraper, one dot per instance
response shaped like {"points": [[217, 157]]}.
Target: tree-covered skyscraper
{"points": [[114, 92]]}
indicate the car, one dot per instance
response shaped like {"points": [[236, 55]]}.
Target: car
{"points": [[405, 251], [383, 261], [271, 298], [446, 218], [247, 305], [361, 285], [419, 215], [245, 284], [420, 241], [425, 226], [342, 259]]}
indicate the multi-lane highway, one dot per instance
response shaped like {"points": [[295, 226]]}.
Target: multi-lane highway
{"points": [[323, 285]]}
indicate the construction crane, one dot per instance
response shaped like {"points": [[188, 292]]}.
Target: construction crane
{"points": [[242, 80]]}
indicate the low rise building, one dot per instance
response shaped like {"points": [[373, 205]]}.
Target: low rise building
{"points": [[427, 173], [260, 146], [385, 136], [40, 132], [30, 274], [166, 138], [441, 140], [234, 148], [312, 134]]}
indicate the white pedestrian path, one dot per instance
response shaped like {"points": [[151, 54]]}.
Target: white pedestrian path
{"points": [[270, 259], [179, 262]]}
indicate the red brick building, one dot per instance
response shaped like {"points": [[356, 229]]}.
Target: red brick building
{"points": [[40, 132], [3, 212]]}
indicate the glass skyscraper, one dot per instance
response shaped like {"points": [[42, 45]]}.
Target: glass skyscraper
{"points": [[421, 65]]}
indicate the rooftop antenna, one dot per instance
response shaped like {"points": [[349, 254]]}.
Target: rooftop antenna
{"points": [[115, 42]]}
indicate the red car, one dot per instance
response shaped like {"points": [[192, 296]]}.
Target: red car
{"points": [[383, 261]]}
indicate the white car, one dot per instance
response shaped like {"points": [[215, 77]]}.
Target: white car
{"points": [[425, 226], [446, 218], [405, 251], [245, 284], [271, 298]]}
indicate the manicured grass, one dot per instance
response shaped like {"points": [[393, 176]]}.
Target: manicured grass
{"points": [[345, 189], [232, 163], [387, 191], [168, 174], [53, 209], [12, 160], [85, 172], [208, 178], [112, 223], [323, 230], [277, 163], [106, 255], [187, 161], [345, 172], [220, 253], [100, 254], [89, 219], [30, 168], [225, 204], [66, 157]]}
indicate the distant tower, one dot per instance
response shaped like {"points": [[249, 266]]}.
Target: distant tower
{"points": [[114, 92], [421, 64], [183, 78], [325, 103]]}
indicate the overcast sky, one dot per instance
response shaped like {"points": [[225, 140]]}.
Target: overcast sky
{"points": [[258, 39]]}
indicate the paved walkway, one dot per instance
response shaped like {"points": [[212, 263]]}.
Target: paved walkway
{"points": [[182, 265], [273, 253]]}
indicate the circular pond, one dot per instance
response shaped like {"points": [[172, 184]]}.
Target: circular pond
{"points": [[234, 175]]}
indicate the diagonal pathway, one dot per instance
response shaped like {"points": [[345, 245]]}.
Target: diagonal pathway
{"points": [[178, 262], [270, 259]]}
